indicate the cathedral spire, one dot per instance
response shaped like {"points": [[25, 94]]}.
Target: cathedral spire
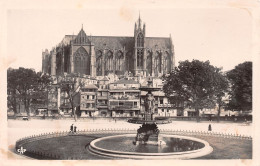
{"points": [[139, 21]]}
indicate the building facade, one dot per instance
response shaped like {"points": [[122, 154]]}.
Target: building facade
{"points": [[163, 107], [103, 55], [124, 98], [88, 101], [102, 97]]}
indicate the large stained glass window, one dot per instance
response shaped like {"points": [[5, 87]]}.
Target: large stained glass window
{"points": [[99, 63], [158, 63], [149, 63], [109, 61], [119, 61], [82, 61]]}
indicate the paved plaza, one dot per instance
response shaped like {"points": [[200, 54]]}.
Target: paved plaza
{"points": [[18, 129]]}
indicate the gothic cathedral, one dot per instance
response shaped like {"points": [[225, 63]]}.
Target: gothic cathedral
{"points": [[101, 55]]}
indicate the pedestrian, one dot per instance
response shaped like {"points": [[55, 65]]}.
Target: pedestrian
{"points": [[75, 129], [71, 128], [209, 128]]}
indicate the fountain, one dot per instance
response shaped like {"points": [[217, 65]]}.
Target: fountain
{"points": [[149, 104], [148, 133], [148, 143]]}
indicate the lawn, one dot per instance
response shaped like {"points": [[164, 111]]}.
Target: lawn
{"points": [[74, 147]]}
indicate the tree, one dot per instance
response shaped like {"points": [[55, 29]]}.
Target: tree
{"points": [[11, 90], [241, 87], [40, 94], [44, 80], [71, 86], [221, 91], [195, 83], [25, 85], [22, 83]]}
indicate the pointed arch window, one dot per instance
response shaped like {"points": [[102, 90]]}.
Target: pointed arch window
{"points": [[119, 61], [82, 61], [140, 40], [149, 63], [129, 61], [167, 62], [140, 50], [99, 63], [158, 62], [109, 62], [140, 55]]}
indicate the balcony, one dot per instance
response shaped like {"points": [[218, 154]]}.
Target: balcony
{"points": [[124, 90], [88, 101], [102, 90], [102, 97], [88, 109], [102, 105], [88, 93], [166, 105], [124, 98], [124, 107]]}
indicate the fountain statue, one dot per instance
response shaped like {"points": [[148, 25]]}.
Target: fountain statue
{"points": [[148, 133]]}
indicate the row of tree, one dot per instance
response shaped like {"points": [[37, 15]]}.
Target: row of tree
{"points": [[202, 85], [198, 84], [27, 86], [31, 88]]}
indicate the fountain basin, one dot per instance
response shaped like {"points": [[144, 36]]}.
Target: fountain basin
{"points": [[176, 147]]}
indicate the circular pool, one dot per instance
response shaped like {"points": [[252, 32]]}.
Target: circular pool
{"points": [[176, 147]]}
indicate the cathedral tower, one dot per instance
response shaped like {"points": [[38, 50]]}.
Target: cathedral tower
{"points": [[139, 48]]}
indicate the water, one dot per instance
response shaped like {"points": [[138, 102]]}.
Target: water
{"points": [[125, 144]]}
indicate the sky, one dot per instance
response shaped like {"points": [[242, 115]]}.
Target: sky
{"points": [[222, 35]]}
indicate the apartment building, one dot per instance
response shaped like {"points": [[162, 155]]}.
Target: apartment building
{"points": [[88, 101], [102, 97], [124, 98]]}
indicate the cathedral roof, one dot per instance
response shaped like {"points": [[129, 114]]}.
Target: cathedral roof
{"points": [[161, 42], [118, 42], [81, 38], [112, 42], [67, 38]]}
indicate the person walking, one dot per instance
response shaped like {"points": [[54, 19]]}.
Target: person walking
{"points": [[71, 128], [209, 128], [75, 129]]}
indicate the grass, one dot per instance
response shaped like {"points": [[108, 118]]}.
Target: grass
{"points": [[74, 147], [228, 148]]}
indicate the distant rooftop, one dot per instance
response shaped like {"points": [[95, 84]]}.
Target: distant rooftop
{"points": [[125, 81], [104, 79], [90, 86]]}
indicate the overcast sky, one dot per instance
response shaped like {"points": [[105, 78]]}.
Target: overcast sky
{"points": [[221, 35]]}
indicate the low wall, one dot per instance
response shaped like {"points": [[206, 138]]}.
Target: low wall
{"points": [[172, 118], [33, 153]]}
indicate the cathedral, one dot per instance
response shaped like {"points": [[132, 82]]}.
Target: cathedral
{"points": [[101, 55]]}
